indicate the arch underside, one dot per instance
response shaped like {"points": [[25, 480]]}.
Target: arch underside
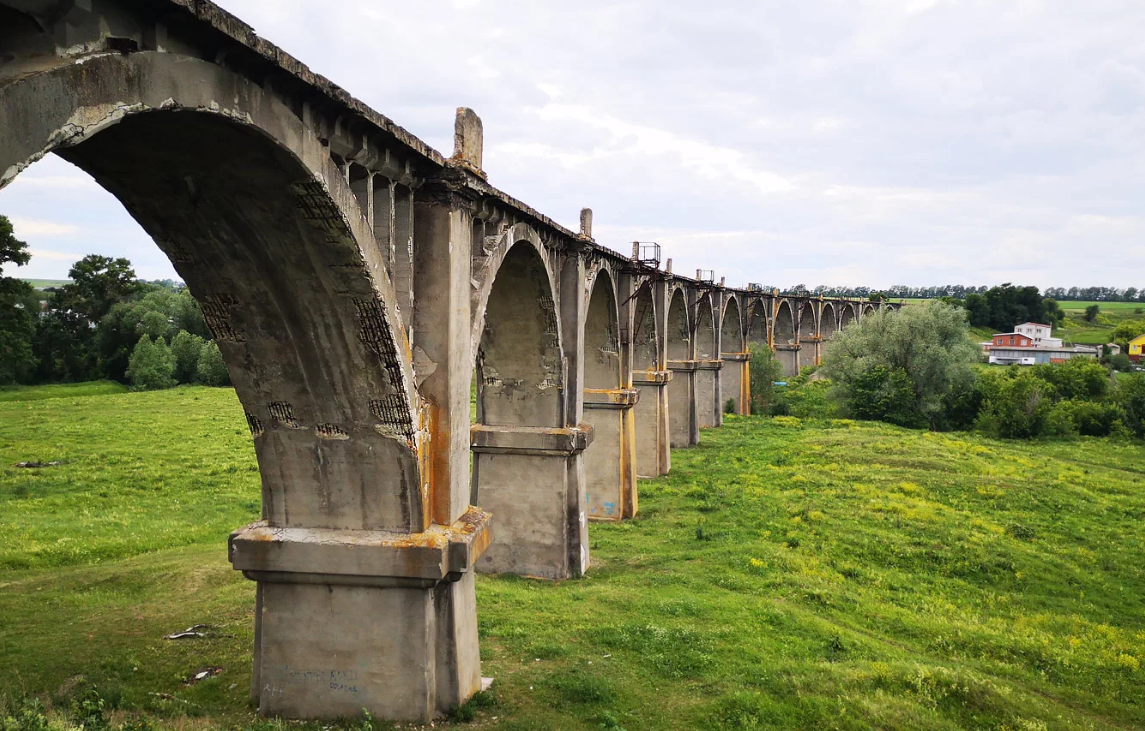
{"points": [[249, 209]]}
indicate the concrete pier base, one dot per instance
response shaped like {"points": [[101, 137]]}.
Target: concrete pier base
{"points": [[735, 381], [684, 430], [788, 357], [611, 485], [533, 480], [651, 415], [353, 620], [709, 410]]}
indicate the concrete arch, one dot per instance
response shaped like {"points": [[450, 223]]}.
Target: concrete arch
{"points": [[846, 314], [253, 214], [485, 274], [679, 334], [733, 348], [868, 309], [645, 332], [757, 325], [732, 329], [808, 335], [605, 457], [828, 321], [682, 428], [258, 220], [707, 382], [519, 392], [785, 338], [519, 352], [705, 333]]}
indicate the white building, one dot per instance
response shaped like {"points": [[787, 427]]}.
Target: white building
{"points": [[1042, 335]]}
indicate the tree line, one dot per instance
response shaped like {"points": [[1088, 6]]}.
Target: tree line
{"points": [[106, 323], [959, 291]]}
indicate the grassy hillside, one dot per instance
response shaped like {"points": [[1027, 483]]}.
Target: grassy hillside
{"points": [[788, 574], [45, 283]]}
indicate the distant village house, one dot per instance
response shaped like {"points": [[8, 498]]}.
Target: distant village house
{"points": [[1033, 343]]}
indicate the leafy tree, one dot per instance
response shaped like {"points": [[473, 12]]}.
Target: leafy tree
{"points": [[98, 283], [212, 371], [152, 365], [928, 345], [186, 348], [1054, 312], [763, 371], [62, 346], [156, 311], [1092, 312], [1127, 330], [17, 318], [1121, 362], [1130, 396]]}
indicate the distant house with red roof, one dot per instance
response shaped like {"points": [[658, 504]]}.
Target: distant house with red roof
{"points": [[1032, 343]]}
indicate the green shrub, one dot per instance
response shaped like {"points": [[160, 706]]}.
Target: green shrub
{"points": [[763, 372], [1077, 378], [1121, 362], [883, 394], [960, 407], [1130, 396], [152, 365], [212, 371], [1015, 406]]}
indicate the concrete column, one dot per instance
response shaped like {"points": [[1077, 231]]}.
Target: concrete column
{"points": [[533, 477], [651, 413], [664, 430], [735, 380], [573, 311], [709, 410], [685, 429], [611, 484], [352, 615]]}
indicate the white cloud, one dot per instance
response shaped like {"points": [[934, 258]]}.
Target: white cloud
{"points": [[30, 227], [874, 142]]}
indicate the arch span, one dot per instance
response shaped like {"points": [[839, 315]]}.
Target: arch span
{"points": [[828, 322], [708, 408], [734, 380], [784, 338], [649, 378], [519, 410], [255, 216], [681, 361], [808, 335], [604, 403]]}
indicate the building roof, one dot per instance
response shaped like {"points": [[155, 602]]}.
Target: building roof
{"points": [[1139, 340], [1034, 323]]}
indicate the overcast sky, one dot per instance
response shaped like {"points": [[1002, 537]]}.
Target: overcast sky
{"points": [[862, 142]]}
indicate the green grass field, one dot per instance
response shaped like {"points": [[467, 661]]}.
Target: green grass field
{"points": [[787, 575]]}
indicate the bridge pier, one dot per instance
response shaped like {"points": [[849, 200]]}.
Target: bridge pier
{"points": [[682, 406], [653, 453], [788, 357], [610, 469], [534, 478], [736, 381], [709, 411]]}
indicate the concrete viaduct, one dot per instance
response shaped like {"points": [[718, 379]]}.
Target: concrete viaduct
{"points": [[358, 283]]}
